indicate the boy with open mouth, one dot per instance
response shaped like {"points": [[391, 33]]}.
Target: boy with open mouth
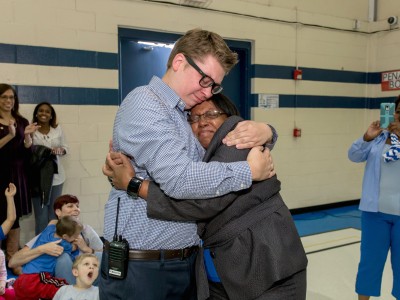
{"points": [[85, 269]]}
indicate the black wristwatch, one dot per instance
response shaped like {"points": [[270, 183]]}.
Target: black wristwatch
{"points": [[134, 187]]}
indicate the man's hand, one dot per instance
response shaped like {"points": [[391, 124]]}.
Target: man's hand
{"points": [[261, 164], [119, 170], [248, 134]]}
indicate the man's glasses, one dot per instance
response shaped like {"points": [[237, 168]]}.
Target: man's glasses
{"points": [[205, 81], [208, 115]]}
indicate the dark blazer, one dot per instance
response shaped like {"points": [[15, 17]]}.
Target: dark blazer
{"points": [[251, 233]]}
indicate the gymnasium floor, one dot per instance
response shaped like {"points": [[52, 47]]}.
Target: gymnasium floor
{"points": [[331, 239]]}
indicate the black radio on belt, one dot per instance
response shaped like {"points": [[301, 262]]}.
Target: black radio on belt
{"points": [[118, 254]]}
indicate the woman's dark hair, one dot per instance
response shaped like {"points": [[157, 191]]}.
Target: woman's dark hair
{"points": [[64, 199], [225, 104], [397, 102], [15, 111], [53, 120]]}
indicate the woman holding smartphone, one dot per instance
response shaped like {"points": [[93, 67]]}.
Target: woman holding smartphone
{"points": [[380, 205]]}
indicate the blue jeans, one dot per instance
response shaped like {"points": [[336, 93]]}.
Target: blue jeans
{"points": [[43, 215], [64, 268], [151, 279], [379, 233]]}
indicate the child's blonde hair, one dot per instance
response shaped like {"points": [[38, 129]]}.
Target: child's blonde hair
{"points": [[81, 257]]}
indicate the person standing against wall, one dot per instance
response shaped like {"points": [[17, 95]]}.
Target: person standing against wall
{"points": [[15, 143], [380, 205], [151, 126], [50, 135]]}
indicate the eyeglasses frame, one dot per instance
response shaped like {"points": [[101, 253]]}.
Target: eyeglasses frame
{"points": [[204, 116], [213, 85]]}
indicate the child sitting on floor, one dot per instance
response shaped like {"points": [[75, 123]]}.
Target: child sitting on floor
{"points": [[37, 280], [85, 269]]}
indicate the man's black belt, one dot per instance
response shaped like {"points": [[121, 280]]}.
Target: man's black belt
{"points": [[158, 254]]}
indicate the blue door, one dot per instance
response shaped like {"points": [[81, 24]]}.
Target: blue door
{"points": [[139, 62]]}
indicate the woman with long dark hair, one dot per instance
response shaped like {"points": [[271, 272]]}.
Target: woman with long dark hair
{"points": [[50, 135], [15, 143]]}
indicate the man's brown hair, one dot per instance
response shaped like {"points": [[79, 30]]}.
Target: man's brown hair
{"points": [[198, 43]]}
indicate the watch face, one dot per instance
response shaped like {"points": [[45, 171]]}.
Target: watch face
{"points": [[133, 187]]}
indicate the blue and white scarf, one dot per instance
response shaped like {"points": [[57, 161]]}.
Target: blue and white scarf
{"points": [[393, 153]]}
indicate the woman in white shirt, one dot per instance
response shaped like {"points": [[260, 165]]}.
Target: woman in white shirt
{"points": [[49, 134]]}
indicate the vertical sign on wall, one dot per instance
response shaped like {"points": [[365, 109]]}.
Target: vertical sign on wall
{"points": [[390, 80]]}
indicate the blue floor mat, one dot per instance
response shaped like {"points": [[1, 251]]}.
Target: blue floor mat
{"points": [[328, 220]]}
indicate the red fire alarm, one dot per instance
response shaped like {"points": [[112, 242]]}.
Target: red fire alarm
{"points": [[297, 132], [298, 74]]}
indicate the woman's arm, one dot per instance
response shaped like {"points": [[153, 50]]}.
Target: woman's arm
{"points": [[27, 254], [62, 147], [11, 134]]}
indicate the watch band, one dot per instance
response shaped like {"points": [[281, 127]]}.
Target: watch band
{"points": [[134, 186]]}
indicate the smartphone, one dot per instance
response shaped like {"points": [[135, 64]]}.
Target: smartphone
{"points": [[387, 114]]}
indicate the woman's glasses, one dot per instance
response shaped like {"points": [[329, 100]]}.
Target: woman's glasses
{"points": [[208, 115], [205, 81], [5, 97]]}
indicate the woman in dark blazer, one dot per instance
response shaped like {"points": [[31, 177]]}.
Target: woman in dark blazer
{"points": [[251, 247]]}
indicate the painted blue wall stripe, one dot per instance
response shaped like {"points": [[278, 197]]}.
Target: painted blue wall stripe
{"points": [[312, 74], [46, 56], [67, 95], [310, 101]]}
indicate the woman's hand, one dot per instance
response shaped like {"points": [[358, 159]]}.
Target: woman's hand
{"points": [[81, 244], [394, 127], [31, 128], [248, 134], [58, 151], [11, 128], [52, 248], [373, 131], [119, 170]]}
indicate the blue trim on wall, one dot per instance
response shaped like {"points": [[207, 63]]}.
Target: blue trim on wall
{"points": [[308, 101], [67, 95], [312, 74], [46, 56]]}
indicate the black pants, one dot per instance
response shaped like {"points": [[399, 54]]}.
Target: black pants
{"points": [[172, 279], [291, 288]]}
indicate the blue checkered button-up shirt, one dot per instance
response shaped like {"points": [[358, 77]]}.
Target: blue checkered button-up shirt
{"points": [[151, 127]]}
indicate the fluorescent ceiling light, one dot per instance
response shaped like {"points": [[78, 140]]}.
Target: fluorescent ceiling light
{"points": [[152, 44]]}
